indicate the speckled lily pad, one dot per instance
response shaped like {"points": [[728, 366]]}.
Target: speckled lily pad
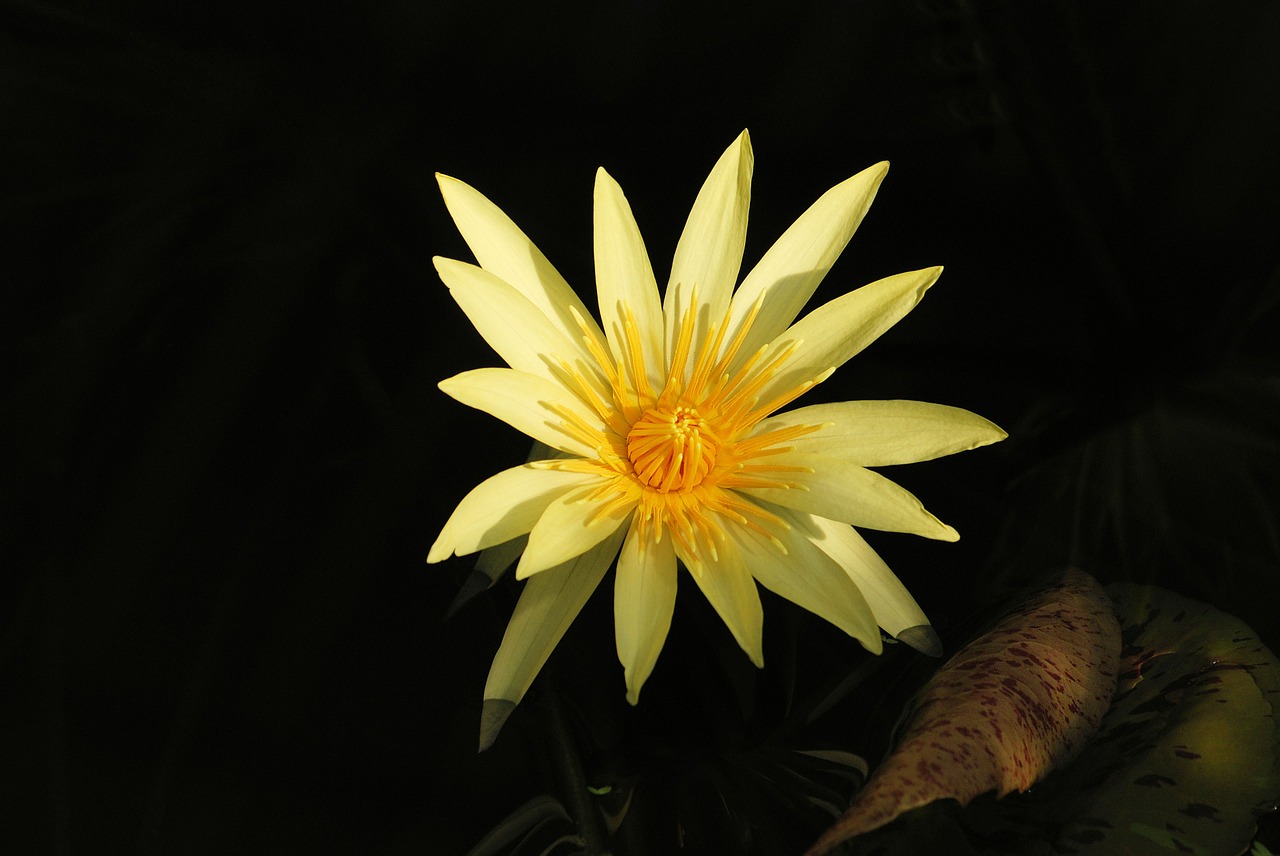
{"points": [[1185, 759], [1019, 700], [1189, 752]]}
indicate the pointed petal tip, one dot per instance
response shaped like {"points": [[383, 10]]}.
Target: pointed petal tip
{"points": [[872, 645], [743, 144], [929, 279], [986, 432], [865, 183], [448, 183], [925, 278], [995, 434], [877, 170], [492, 717], [923, 638], [606, 187], [439, 551], [526, 569]]}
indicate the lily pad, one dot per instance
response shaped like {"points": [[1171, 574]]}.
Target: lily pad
{"points": [[1017, 701], [1186, 758]]}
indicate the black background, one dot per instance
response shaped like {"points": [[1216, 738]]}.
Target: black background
{"points": [[226, 455]]}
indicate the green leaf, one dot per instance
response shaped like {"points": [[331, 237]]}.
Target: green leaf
{"points": [[1018, 701]]}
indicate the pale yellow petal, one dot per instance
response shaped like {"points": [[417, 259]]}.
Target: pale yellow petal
{"points": [[829, 335], [839, 490], [624, 278], [572, 524], [515, 328], [731, 589], [795, 265], [808, 577], [709, 254], [880, 433], [505, 251], [893, 606], [547, 606], [644, 598], [530, 404], [503, 507]]}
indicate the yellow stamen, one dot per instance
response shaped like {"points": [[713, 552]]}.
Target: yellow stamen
{"points": [[671, 449], [576, 382], [679, 455], [789, 396], [745, 395], [706, 355], [683, 342], [741, 336], [576, 427], [616, 382], [635, 350]]}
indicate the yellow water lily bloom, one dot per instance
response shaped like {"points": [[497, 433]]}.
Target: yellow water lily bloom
{"points": [[669, 447]]}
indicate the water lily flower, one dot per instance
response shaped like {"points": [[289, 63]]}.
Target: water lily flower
{"points": [[670, 444]]}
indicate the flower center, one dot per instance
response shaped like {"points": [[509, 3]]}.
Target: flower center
{"points": [[671, 448]]}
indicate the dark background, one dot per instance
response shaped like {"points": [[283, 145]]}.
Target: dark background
{"points": [[226, 456]]}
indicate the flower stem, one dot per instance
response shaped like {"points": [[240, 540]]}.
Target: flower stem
{"points": [[573, 780]]}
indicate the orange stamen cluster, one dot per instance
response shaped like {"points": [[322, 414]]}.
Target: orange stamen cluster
{"points": [[676, 455], [671, 449]]}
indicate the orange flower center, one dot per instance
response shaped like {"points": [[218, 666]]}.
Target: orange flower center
{"points": [[671, 448], [679, 453]]}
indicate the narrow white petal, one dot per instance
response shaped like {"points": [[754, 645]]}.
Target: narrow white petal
{"points": [[880, 433], [831, 334], [518, 330], [731, 589], [624, 277], [807, 576], [709, 254], [502, 507], [839, 490], [569, 527], [795, 265], [894, 608], [505, 251], [549, 603], [644, 598], [527, 403]]}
